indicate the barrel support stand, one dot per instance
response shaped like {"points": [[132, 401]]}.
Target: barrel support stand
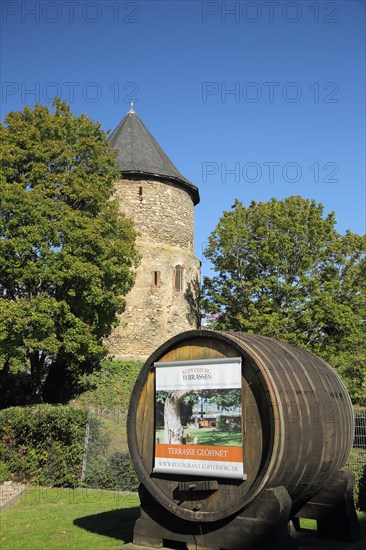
{"points": [[333, 509], [263, 525]]}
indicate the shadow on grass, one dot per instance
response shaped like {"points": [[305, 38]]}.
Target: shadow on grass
{"points": [[116, 524]]}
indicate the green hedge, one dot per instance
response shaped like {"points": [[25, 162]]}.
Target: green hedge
{"points": [[110, 386], [5, 475], [43, 444]]}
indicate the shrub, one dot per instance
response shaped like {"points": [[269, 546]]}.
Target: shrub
{"points": [[105, 469], [110, 386], [115, 472], [43, 444], [220, 423], [4, 473], [362, 491], [228, 424]]}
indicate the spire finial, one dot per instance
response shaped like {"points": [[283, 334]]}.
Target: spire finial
{"points": [[131, 108]]}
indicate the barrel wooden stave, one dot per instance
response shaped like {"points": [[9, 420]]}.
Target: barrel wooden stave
{"points": [[298, 423]]}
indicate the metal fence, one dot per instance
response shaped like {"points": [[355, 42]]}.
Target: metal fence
{"points": [[106, 460], [357, 458]]}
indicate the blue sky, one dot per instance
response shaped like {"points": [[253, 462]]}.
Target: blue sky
{"points": [[250, 100]]}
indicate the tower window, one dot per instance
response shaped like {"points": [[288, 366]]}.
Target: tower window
{"points": [[155, 279], [178, 278]]}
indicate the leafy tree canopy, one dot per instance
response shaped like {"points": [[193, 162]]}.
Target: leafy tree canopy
{"points": [[67, 255], [282, 270]]}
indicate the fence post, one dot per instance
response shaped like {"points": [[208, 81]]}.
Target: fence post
{"points": [[86, 444]]}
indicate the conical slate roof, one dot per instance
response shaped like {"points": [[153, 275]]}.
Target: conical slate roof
{"points": [[140, 153]]}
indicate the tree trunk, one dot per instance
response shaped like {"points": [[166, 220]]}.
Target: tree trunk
{"points": [[36, 364], [173, 429]]}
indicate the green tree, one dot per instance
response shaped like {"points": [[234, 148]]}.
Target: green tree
{"points": [[282, 270], [67, 255]]}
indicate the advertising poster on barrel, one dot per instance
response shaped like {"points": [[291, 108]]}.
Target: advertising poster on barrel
{"points": [[198, 418]]}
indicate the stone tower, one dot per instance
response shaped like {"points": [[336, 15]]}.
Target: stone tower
{"points": [[160, 202]]}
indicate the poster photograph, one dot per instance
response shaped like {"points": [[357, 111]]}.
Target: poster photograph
{"points": [[198, 418]]}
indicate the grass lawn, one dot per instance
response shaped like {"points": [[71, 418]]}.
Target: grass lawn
{"points": [[209, 437], [310, 541], [44, 519]]}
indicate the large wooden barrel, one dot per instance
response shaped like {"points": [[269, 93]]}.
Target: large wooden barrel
{"points": [[297, 424]]}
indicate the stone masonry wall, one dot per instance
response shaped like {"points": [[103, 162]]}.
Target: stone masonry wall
{"points": [[153, 314], [162, 211]]}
